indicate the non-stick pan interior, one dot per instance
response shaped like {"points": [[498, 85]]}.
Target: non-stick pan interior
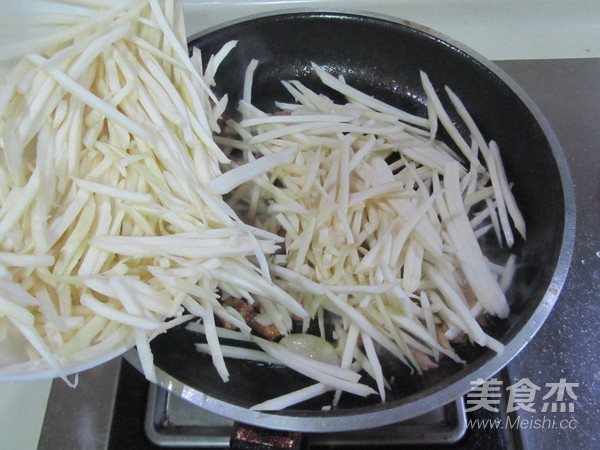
{"points": [[383, 58]]}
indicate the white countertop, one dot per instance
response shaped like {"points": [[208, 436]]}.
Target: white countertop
{"points": [[22, 411], [499, 30]]}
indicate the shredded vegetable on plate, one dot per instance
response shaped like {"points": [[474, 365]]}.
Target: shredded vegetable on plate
{"points": [[108, 233]]}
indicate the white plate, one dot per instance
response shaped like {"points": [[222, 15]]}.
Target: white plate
{"points": [[14, 365]]}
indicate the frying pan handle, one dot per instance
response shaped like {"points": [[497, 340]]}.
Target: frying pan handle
{"points": [[249, 437]]}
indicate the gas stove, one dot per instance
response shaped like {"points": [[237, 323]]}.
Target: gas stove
{"points": [[172, 421]]}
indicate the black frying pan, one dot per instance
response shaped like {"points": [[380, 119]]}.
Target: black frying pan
{"points": [[383, 58]]}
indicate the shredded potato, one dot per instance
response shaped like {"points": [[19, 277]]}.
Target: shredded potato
{"points": [[381, 222], [108, 235]]}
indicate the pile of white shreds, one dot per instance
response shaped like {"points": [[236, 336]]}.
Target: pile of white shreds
{"points": [[106, 226], [382, 224], [114, 225]]}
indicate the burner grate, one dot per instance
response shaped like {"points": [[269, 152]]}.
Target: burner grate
{"points": [[172, 421]]}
